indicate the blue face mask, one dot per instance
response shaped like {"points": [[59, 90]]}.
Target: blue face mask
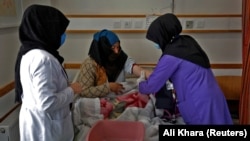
{"points": [[157, 46], [63, 38]]}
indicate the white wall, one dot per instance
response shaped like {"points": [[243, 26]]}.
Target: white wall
{"points": [[26, 3], [220, 47], [112, 6], [8, 49], [208, 6], [9, 46], [148, 6]]}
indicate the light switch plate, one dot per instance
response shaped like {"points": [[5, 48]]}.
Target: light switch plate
{"points": [[189, 24], [128, 24]]}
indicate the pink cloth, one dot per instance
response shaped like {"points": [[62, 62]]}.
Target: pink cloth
{"points": [[134, 99], [106, 107]]}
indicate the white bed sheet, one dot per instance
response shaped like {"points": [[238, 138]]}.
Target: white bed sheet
{"points": [[86, 112]]}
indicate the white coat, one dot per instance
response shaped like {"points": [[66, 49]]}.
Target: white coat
{"points": [[45, 114]]}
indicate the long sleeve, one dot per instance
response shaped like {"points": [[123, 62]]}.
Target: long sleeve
{"points": [[44, 82], [166, 66], [90, 80], [128, 66]]}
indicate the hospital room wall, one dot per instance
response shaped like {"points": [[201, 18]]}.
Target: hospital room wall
{"points": [[220, 47], [9, 46]]}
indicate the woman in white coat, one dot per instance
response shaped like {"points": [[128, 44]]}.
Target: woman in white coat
{"points": [[41, 81]]}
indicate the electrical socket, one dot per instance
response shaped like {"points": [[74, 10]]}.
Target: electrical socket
{"points": [[128, 24], [138, 24], [200, 24], [189, 24], [117, 24]]}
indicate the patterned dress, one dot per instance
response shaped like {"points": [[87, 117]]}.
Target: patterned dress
{"points": [[94, 80]]}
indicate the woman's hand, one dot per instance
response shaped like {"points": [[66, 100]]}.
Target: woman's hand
{"points": [[117, 88], [141, 78], [76, 87], [137, 71]]}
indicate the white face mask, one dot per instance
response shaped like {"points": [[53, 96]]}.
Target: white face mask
{"points": [[157, 46]]}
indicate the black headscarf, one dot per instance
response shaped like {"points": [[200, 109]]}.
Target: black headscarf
{"points": [[41, 28], [165, 31], [101, 51]]}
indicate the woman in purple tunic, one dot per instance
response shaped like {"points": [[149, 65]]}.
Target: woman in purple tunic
{"points": [[186, 65]]}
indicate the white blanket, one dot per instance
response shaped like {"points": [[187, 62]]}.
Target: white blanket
{"points": [[86, 112]]}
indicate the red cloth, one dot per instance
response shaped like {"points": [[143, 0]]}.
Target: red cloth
{"points": [[106, 107], [134, 99]]}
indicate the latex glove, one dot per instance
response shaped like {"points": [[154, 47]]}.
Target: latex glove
{"points": [[141, 78]]}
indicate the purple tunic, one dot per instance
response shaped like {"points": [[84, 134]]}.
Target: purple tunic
{"points": [[200, 99]]}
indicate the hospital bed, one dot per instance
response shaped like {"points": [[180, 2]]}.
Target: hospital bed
{"points": [[87, 111]]}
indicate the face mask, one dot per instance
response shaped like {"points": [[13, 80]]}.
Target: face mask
{"points": [[63, 38], [113, 56], [157, 46]]}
